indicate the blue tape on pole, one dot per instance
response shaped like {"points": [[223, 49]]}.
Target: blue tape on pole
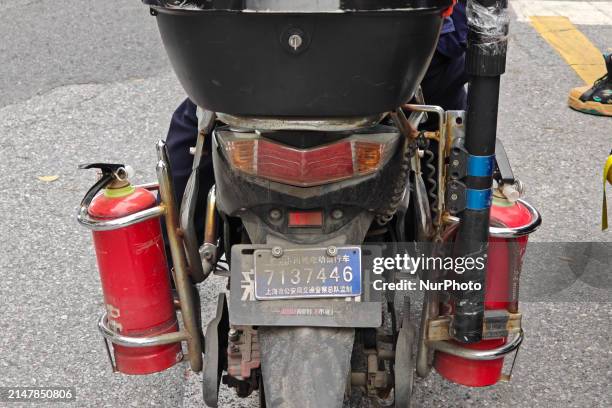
{"points": [[478, 199], [480, 166]]}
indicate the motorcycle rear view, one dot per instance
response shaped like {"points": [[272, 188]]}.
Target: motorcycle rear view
{"points": [[321, 168]]}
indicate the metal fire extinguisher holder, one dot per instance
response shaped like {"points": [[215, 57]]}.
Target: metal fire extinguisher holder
{"points": [[167, 208], [426, 347]]}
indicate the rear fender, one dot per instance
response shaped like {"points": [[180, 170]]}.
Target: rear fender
{"points": [[305, 367]]}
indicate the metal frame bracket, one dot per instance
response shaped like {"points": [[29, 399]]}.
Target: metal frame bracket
{"points": [[456, 197], [497, 324]]}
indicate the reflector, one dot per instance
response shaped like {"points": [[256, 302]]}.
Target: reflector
{"points": [[305, 218]]}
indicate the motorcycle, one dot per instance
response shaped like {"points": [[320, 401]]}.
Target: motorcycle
{"points": [[320, 166]]}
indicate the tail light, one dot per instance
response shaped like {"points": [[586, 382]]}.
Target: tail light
{"points": [[358, 155]]}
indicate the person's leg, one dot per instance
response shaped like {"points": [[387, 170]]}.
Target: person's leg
{"points": [[444, 83], [182, 136]]}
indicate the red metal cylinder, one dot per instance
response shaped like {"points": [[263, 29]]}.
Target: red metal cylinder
{"points": [[135, 280], [505, 258]]}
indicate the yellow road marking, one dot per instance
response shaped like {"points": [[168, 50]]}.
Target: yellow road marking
{"points": [[573, 46]]}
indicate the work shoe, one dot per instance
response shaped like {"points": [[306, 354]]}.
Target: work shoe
{"points": [[597, 99]]}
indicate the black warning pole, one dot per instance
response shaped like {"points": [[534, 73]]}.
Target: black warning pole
{"points": [[488, 22]]}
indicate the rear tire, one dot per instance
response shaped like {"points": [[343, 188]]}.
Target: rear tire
{"points": [[404, 366]]}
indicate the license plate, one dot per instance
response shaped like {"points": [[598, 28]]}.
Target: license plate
{"points": [[308, 273]]}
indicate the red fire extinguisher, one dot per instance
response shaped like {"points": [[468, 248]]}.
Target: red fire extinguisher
{"points": [[134, 277], [505, 257]]}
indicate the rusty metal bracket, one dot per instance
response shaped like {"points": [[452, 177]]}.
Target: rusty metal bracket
{"points": [[243, 353], [507, 377], [179, 257], [442, 147]]}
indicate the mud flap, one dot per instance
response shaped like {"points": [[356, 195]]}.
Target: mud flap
{"points": [[305, 367], [215, 359]]}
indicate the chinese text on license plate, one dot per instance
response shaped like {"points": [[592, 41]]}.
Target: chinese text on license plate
{"points": [[308, 273]]}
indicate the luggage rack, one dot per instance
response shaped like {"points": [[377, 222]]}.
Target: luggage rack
{"points": [[191, 333]]}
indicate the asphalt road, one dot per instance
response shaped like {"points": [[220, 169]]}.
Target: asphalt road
{"points": [[92, 83]]}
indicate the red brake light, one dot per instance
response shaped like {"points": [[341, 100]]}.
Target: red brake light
{"points": [[304, 167], [354, 156]]}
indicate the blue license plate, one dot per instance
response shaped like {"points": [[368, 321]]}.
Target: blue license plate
{"points": [[308, 273]]}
